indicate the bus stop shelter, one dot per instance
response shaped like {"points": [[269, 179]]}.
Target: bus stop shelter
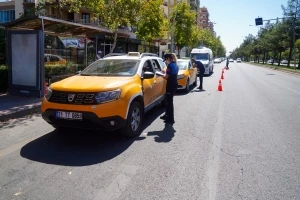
{"points": [[25, 49]]}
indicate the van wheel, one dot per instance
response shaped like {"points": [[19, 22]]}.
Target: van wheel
{"points": [[134, 120], [187, 87]]}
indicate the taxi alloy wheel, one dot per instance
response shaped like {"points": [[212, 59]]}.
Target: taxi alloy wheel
{"points": [[134, 120]]}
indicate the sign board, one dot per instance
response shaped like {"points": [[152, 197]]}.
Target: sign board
{"points": [[258, 21]]}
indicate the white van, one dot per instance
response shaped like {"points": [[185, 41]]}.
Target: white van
{"points": [[204, 55]]}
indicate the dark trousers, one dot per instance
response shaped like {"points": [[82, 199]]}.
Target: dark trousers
{"points": [[170, 105], [201, 82]]}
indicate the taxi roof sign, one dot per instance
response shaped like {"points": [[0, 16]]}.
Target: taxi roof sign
{"points": [[134, 54]]}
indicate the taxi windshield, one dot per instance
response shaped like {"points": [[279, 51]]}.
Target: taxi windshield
{"points": [[112, 67], [182, 65]]}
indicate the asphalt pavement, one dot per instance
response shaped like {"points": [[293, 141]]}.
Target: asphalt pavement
{"points": [[239, 143]]}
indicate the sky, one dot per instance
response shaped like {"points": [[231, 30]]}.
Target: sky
{"points": [[233, 18]]}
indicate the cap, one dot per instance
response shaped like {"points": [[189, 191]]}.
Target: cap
{"points": [[168, 55]]}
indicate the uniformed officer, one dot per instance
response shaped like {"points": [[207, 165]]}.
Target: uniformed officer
{"points": [[171, 77], [201, 70]]}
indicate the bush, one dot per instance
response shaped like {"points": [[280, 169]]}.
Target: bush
{"points": [[3, 78], [58, 69]]}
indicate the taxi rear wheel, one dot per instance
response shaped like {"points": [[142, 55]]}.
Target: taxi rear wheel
{"points": [[134, 120]]}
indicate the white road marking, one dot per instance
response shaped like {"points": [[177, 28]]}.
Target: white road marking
{"points": [[214, 154]]}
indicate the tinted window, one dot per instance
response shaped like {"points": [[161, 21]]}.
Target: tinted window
{"points": [[156, 65], [147, 67]]}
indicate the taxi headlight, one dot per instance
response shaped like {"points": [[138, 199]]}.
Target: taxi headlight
{"points": [[181, 76], [48, 93], [104, 97]]}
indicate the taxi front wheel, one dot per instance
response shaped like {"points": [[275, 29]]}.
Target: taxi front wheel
{"points": [[134, 120]]}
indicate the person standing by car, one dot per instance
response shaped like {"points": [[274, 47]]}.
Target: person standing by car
{"points": [[171, 77], [201, 70]]}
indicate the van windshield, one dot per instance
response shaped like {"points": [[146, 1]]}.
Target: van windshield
{"points": [[200, 56]]}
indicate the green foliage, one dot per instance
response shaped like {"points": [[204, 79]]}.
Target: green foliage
{"points": [[151, 20], [183, 20], [113, 13], [56, 70], [3, 78]]}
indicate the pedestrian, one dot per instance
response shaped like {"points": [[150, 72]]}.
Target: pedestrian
{"points": [[201, 70], [227, 63], [99, 55], [171, 77]]}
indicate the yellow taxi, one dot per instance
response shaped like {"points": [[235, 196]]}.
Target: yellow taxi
{"points": [[112, 93], [187, 75]]}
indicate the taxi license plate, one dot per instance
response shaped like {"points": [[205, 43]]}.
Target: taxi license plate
{"points": [[68, 115]]}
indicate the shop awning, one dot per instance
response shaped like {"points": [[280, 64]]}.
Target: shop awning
{"points": [[52, 26]]}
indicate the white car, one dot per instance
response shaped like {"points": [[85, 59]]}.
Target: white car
{"points": [[231, 60], [217, 60], [238, 60]]}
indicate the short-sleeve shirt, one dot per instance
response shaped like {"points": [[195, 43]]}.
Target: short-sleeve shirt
{"points": [[172, 71]]}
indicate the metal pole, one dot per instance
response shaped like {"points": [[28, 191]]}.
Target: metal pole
{"points": [[172, 31]]}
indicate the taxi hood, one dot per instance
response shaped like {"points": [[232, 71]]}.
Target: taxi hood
{"points": [[91, 83]]}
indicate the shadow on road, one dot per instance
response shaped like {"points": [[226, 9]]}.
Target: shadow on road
{"points": [[81, 147], [164, 135]]}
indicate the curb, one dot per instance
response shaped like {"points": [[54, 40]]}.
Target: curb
{"points": [[21, 112], [278, 69]]}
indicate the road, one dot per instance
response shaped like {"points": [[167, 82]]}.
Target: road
{"points": [[241, 143]]}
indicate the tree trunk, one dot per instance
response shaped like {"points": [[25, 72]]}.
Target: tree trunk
{"points": [[264, 57], [115, 41], [299, 61], [58, 8], [279, 59], [290, 56]]}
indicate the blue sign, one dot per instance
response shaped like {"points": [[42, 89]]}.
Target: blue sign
{"points": [[258, 21]]}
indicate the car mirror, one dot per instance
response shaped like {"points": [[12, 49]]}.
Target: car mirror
{"points": [[148, 75], [78, 72]]}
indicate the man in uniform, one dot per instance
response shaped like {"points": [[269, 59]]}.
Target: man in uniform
{"points": [[201, 70], [171, 77]]}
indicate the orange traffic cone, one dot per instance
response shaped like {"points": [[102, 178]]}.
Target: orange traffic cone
{"points": [[222, 76], [220, 88], [223, 70]]}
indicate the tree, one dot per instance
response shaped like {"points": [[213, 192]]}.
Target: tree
{"points": [[184, 19], [114, 13], [151, 21]]}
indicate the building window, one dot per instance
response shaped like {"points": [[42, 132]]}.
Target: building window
{"points": [[85, 18], [71, 17], [7, 16]]}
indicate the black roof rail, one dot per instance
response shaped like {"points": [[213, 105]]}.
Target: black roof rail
{"points": [[148, 54]]}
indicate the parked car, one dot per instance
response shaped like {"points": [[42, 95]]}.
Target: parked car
{"points": [[52, 59], [187, 74], [238, 60], [112, 93], [217, 60], [284, 62]]}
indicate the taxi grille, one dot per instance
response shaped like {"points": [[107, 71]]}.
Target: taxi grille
{"points": [[72, 98]]}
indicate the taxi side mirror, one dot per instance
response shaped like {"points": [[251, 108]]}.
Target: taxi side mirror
{"points": [[147, 75]]}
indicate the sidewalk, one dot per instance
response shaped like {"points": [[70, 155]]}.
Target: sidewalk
{"points": [[14, 107]]}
